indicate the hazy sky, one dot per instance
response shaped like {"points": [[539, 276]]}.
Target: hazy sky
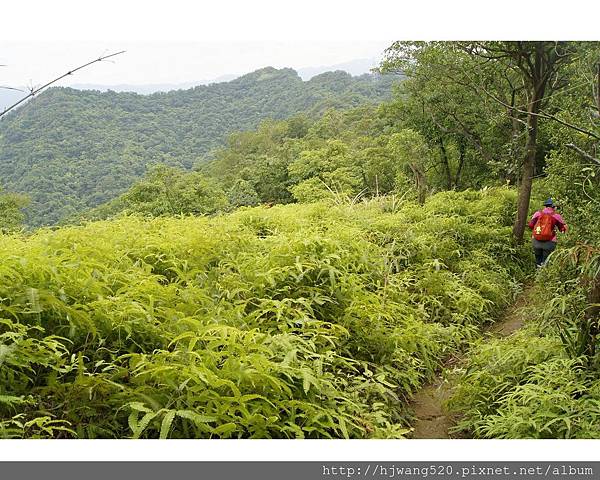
{"points": [[178, 41], [168, 62]]}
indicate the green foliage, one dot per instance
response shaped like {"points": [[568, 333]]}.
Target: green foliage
{"points": [[11, 211], [572, 305], [411, 152], [71, 150], [298, 321], [342, 155], [573, 178], [543, 381], [576, 187], [448, 98], [343, 152], [169, 191], [468, 101], [311, 190], [558, 401], [303, 321], [524, 387], [442, 131], [242, 194], [496, 369]]}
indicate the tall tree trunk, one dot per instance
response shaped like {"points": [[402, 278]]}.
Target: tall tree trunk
{"points": [[528, 169], [538, 79], [461, 161], [592, 317], [514, 146], [420, 182], [598, 86], [445, 163]]}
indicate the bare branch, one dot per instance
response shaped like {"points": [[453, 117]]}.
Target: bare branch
{"points": [[543, 115], [12, 88], [598, 85], [566, 124], [70, 72], [584, 154]]}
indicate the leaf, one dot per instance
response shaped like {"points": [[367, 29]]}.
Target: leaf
{"points": [[143, 423], [195, 417], [225, 429], [139, 407], [166, 424]]}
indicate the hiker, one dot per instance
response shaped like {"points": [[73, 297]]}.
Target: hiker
{"points": [[544, 224]]}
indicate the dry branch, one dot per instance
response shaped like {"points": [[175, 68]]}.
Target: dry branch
{"points": [[70, 72], [584, 154]]}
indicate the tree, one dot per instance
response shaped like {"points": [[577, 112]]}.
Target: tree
{"points": [[538, 65], [466, 131], [531, 71], [12, 204], [72, 150], [573, 167], [412, 153], [11, 211], [170, 191]]}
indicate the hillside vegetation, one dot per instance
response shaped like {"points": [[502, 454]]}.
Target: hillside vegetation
{"points": [[70, 150], [292, 321]]}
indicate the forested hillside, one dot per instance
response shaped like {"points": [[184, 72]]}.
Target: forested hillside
{"points": [[70, 150]]}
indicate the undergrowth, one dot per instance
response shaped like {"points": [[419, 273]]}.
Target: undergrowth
{"points": [[543, 381], [298, 321]]}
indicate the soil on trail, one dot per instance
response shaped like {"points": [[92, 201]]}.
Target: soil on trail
{"points": [[513, 317], [432, 421]]}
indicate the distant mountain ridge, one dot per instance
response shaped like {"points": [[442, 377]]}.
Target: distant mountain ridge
{"points": [[356, 67], [353, 67], [71, 149], [149, 88]]}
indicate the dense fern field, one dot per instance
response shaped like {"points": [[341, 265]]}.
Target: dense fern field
{"points": [[297, 321]]}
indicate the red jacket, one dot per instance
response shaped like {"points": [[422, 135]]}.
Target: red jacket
{"points": [[557, 221]]}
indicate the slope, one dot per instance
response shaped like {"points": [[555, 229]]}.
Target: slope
{"points": [[71, 150]]}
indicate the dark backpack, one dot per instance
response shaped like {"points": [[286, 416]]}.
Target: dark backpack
{"points": [[544, 228]]}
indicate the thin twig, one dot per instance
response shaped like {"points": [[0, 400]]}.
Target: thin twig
{"points": [[12, 88], [70, 72]]}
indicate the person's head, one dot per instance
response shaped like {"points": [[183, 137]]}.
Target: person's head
{"points": [[549, 203]]}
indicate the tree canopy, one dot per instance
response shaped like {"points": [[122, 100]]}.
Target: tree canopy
{"points": [[70, 150]]}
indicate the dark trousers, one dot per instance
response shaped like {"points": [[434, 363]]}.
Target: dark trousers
{"points": [[542, 250]]}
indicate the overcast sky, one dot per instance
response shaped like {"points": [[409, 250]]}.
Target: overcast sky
{"points": [[168, 62], [195, 40]]}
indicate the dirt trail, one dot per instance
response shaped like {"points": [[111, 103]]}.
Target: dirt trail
{"points": [[431, 419]]}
